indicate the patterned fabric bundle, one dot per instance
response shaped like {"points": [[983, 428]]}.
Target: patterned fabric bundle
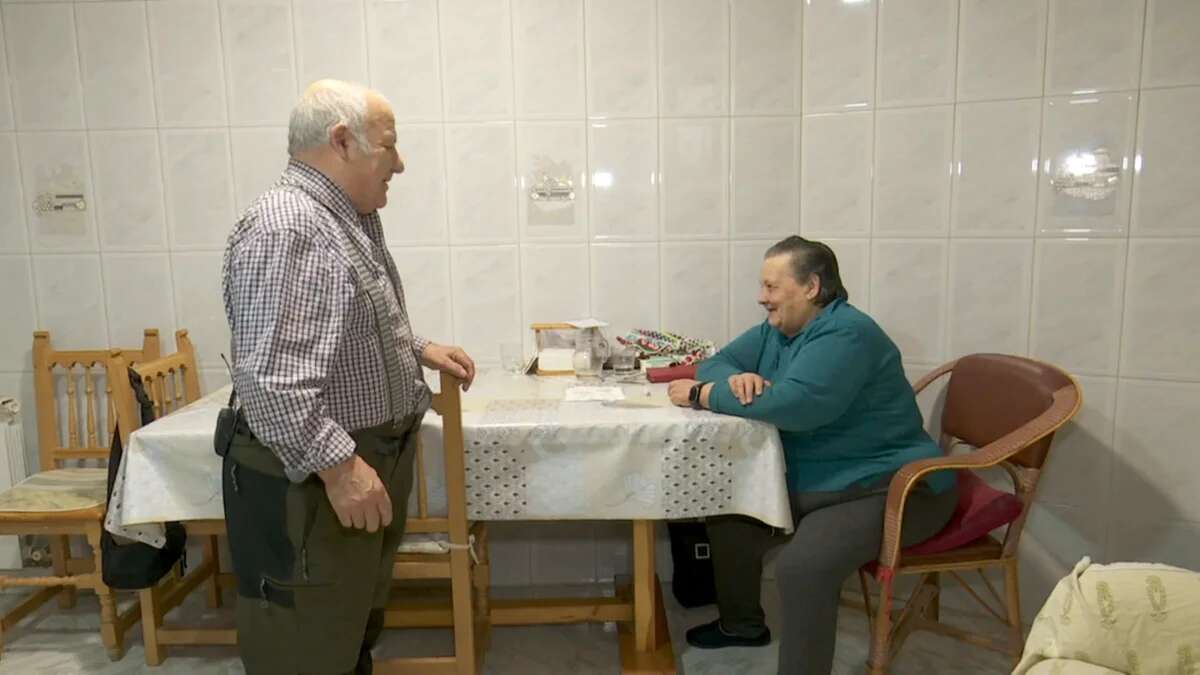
{"points": [[667, 349], [1135, 618]]}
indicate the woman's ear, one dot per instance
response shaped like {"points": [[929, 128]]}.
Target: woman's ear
{"points": [[813, 289]]}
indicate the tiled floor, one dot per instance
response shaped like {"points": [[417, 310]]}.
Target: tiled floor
{"points": [[65, 642]]}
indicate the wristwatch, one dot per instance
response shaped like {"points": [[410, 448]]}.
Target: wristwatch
{"points": [[694, 395]]}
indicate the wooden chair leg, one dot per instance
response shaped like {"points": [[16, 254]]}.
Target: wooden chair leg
{"points": [[212, 551], [483, 576], [60, 555], [481, 581], [881, 633], [1012, 589], [464, 621], [865, 585], [110, 633], [933, 611], [151, 621], [26, 606], [481, 585]]}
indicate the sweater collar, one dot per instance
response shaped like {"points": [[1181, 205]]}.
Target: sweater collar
{"points": [[820, 319]]}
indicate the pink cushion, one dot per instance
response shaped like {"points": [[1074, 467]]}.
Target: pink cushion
{"points": [[672, 373], [981, 509]]}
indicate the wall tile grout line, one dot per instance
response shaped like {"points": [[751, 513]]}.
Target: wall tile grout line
{"points": [[90, 167], [162, 176], [22, 189], [948, 319], [517, 222], [1036, 215], [1110, 524]]}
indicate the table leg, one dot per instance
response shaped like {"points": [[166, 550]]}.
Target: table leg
{"points": [[646, 645], [645, 599]]}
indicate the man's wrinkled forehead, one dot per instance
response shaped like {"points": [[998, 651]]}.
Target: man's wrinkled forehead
{"points": [[379, 114]]}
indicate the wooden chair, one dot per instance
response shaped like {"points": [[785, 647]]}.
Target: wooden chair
{"points": [[63, 499], [1008, 408], [171, 382], [465, 564]]}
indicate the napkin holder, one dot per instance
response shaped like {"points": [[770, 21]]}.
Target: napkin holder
{"points": [[555, 346]]}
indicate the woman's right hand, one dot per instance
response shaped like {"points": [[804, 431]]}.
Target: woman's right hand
{"points": [[747, 386]]}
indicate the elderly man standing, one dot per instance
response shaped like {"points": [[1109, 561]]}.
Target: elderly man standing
{"points": [[327, 370]]}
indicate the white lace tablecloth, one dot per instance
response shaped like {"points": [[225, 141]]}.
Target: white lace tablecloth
{"points": [[530, 455]]}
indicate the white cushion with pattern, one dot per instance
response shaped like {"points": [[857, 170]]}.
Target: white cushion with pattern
{"points": [[57, 490]]}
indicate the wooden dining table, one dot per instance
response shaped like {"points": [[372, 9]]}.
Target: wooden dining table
{"points": [[532, 453]]}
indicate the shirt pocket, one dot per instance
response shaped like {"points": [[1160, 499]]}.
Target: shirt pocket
{"points": [[360, 315]]}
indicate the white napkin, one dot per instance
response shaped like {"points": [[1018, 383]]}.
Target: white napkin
{"points": [[593, 393]]}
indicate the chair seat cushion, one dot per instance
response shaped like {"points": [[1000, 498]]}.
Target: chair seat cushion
{"points": [[981, 509], [425, 543], [57, 490], [434, 543]]}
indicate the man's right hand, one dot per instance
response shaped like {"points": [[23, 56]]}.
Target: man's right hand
{"points": [[357, 495], [747, 386]]}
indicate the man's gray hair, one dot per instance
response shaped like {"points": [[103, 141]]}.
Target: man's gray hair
{"points": [[324, 105]]}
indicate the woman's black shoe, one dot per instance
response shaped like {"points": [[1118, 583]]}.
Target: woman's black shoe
{"points": [[711, 636]]}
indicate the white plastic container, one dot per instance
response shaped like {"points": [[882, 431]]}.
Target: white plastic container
{"points": [[12, 470]]}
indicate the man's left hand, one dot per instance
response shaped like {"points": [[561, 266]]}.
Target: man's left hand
{"points": [[449, 359], [679, 390]]}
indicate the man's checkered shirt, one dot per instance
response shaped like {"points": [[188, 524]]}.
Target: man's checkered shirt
{"points": [[308, 364]]}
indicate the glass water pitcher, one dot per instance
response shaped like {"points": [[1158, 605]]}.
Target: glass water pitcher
{"points": [[591, 351]]}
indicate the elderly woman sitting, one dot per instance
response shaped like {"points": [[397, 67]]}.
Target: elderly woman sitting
{"points": [[831, 380]]}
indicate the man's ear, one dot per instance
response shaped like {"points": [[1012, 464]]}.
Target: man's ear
{"points": [[340, 140]]}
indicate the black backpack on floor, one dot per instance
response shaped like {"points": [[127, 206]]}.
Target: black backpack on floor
{"points": [[134, 565], [693, 583]]}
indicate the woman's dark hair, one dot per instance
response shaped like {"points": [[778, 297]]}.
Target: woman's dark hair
{"points": [[812, 257]]}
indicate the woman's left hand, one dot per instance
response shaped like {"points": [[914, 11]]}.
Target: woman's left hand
{"points": [[679, 390]]}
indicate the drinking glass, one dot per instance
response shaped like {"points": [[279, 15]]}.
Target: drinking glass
{"points": [[512, 358], [623, 358]]}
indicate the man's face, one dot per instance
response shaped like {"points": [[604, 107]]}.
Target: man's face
{"points": [[789, 304], [370, 171]]}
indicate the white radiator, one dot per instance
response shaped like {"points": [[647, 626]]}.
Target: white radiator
{"points": [[12, 471]]}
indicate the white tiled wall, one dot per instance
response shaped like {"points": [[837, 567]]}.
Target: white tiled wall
{"points": [[917, 136]]}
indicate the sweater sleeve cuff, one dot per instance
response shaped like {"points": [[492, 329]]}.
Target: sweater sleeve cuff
{"points": [[720, 399]]}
